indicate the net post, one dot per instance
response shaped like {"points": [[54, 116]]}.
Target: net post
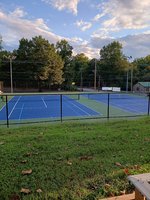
{"points": [[108, 105], [148, 112], [61, 108], [7, 112]]}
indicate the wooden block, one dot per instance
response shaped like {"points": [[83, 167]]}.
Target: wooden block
{"points": [[122, 197], [142, 184], [138, 195]]}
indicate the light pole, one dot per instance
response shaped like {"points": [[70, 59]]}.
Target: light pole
{"points": [[131, 78], [81, 80], [95, 71], [127, 79], [10, 58]]}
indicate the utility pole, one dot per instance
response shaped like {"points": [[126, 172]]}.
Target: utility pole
{"points": [[127, 79], [99, 80], [11, 78], [95, 75], [131, 78], [81, 80], [10, 58]]}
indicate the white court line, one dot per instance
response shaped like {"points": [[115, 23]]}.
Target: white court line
{"points": [[21, 112], [87, 108], [14, 107], [70, 107], [44, 102], [80, 109], [2, 108], [5, 104]]}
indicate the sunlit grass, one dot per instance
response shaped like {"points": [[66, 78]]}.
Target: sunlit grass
{"points": [[76, 160]]}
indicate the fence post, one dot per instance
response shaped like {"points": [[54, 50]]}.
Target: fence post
{"points": [[148, 104], [61, 108], [7, 112], [78, 96], [108, 106]]}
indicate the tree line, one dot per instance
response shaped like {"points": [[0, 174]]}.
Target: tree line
{"points": [[53, 66]]}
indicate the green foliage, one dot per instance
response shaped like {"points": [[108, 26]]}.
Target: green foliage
{"points": [[75, 161], [142, 72], [0, 42], [5, 65], [39, 61], [64, 49], [54, 66], [113, 63], [80, 64]]}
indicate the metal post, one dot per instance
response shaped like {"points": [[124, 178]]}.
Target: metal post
{"points": [[131, 79], [95, 75], [108, 106], [61, 111], [81, 81], [127, 82], [99, 82], [148, 104], [11, 79], [78, 96], [10, 58], [7, 112]]}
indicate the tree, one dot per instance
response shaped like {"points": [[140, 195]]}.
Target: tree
{"points": [[0, 42], [80, 64], [4, 65], [142, 72], [38, 59], [49, 64], [64, 49], [0, 50], [113, 64], [94, 64]]}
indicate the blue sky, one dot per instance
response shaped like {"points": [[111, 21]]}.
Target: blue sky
{"points": [[88, 25]]}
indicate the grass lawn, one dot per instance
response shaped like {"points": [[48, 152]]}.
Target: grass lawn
{"points": [[73, 160]]}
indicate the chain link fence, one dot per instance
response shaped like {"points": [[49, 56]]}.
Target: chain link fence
{"points": [[45, 107]]}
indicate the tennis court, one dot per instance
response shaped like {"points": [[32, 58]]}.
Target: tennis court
{"points": [[132, 103], [25, 108], [28, 107]]}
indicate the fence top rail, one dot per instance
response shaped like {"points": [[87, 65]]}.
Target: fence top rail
{"points": [[69, 93]]}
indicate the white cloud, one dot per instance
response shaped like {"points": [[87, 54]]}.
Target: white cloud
{"points": [[18, 12], [41, 24], [125, 14], [133, 45], [83, 25], [136, 45], [98, 16], [70, 5], [13, 28], [83, 46]]}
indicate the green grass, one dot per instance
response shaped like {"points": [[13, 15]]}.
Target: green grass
{"points": [[2, 103], [3, 100], [75, 160]]}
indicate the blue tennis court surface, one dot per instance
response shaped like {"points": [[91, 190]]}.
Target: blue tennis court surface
{"points": [[44, 106], [127, 102]]}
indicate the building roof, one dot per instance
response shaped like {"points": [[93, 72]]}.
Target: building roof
{"points": [[145, 84]]}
